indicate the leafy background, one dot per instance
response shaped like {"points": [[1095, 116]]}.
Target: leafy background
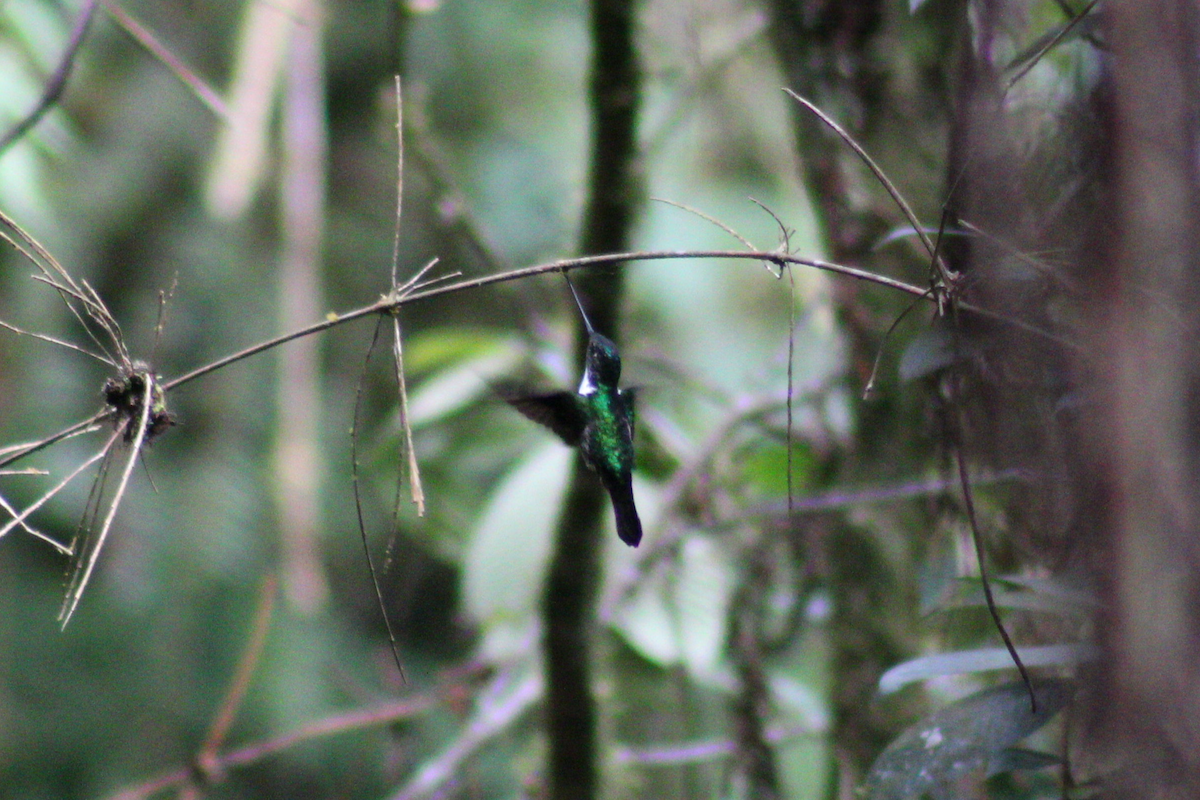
{"points": [[117, 183]]}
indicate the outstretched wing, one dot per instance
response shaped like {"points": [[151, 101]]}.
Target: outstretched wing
{"points": [[558, 411]]}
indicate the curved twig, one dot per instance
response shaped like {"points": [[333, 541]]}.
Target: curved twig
{"points": [[58, 79]]}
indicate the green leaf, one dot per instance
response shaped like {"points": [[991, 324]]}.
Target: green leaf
{"points": [[704, 589], [991, 658], [647, 625], [930, 351], [462, 381], [507, 557], [442, 348], [1024, 600], [1015, 759], [934, 757], [680, 618], [1064, 589]]}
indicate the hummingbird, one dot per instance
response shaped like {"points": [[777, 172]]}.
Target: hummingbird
{"points": [[598, 419]]}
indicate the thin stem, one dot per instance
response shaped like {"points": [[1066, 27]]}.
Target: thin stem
{"points": [[1049, 45], [416, 491], [396, 300], [257, 751], [358, 501], [977, 538], [87, 560], [391, 302], [240, 682], [58, 80], [142, 35], [83, 426], [875, 170]]}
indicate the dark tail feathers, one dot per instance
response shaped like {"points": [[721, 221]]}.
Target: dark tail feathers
{"points": [[629, 527]]}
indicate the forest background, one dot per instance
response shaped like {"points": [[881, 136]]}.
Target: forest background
{"points": [[822, 458]]}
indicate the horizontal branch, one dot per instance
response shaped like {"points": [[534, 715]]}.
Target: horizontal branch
{"points": [[406, 295], [83, 426], [391, 302], [343, 723]]}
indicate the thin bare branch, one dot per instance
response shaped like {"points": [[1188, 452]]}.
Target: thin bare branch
{"points": [[707, 218], [876, 171], [68, 294], [142, 35], [869, 388], [390, 303], [427, 291], [58, 79], [19, 519], [414, 470], [108, 323], [87, 561], [399, 180], [1049, 45], [785, 233], [980, 556], [236, 693], [499, 706], [60, 342], [358, 504], [19, 451], [384, 714], [69, 289], [34, 532]]}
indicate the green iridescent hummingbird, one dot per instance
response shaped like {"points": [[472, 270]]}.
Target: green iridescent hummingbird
{"points": [[598, 419]]}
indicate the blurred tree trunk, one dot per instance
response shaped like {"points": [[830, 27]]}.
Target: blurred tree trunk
{"points": [[1146, 421], [568, 599], [298, 462], [1114, 425]]}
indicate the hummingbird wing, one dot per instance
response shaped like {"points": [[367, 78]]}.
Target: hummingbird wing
{"points": [[558, 411]]}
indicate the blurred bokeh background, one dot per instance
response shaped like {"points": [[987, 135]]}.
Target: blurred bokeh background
{"points": [[273, 203]]}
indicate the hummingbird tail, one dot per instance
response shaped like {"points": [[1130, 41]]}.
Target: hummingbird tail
{"points": [[629, 526]]}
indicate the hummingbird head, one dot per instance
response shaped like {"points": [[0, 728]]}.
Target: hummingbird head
{"points": [[602, 364]]}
